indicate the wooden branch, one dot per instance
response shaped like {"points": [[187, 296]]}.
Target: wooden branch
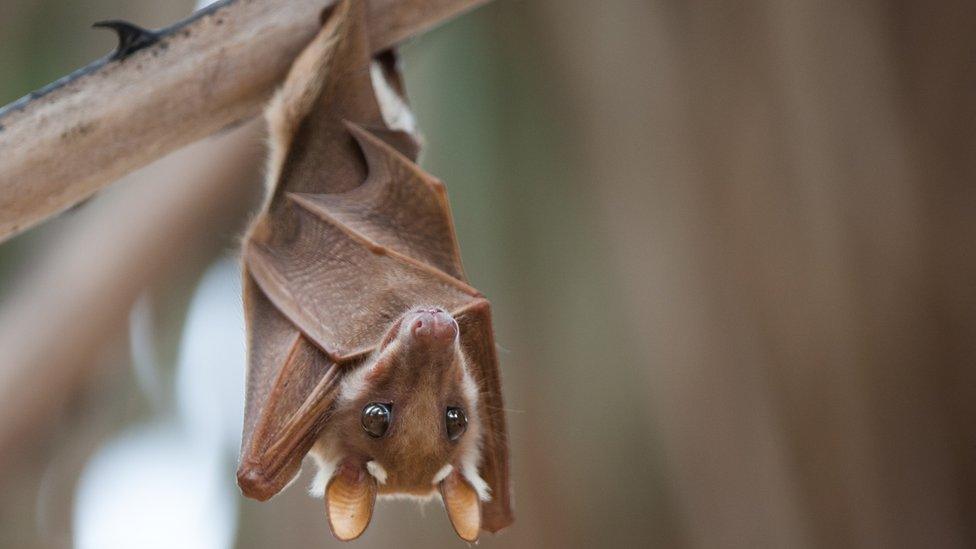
{"points": [[163, 90]]}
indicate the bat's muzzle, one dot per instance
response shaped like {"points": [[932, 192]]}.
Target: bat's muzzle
{"points": [[433, 326]]}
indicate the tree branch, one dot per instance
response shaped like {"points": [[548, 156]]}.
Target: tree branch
{"points": [[61, 144]]}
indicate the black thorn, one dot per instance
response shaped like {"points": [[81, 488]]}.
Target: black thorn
{"points": [[131, 37]]}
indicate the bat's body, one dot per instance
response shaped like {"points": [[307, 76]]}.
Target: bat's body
{"points": [[367, 347]]}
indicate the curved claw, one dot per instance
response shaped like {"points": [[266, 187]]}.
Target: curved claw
{"points": [[131, 37]]}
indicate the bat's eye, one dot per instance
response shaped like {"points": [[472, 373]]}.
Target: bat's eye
{"points": [[376, 419], [457, 422]]}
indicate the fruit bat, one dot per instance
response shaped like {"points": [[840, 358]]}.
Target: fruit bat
{"points": [[367, 348]]}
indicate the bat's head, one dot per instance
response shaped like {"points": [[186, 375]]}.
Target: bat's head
{"points": [[405, 423]]}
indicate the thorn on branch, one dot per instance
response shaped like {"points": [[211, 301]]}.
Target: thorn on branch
{"points": [[145, 117], [131, 37]]}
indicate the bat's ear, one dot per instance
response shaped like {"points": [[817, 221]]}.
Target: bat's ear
{"points": [[349, 500], [463, 506]]}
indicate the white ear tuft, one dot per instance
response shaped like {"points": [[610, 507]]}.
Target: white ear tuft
{"points": [[480, 486], [377, 470], [396, 114], [317, 488], [326, 461], [442, 474]]}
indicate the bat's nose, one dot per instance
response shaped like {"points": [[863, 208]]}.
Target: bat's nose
{"points": [[433, 326]]}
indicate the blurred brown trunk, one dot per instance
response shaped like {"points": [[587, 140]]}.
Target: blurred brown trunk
{"points": [[808, 321], [936, 74], [56, 322]]}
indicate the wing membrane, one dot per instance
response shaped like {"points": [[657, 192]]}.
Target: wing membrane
{"points": [[310, 282], [398, 206], [478, 340], [289, 387]]}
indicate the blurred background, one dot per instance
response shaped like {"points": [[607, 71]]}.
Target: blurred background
{"points": [[730, 248]]}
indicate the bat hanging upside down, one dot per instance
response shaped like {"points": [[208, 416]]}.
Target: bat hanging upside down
{"points": [[367, 349]]}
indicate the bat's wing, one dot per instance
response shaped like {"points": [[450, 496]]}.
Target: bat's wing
{"points": [[360, 259], [399, 206], [290, 386], [291, 382], [477, 338]]}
